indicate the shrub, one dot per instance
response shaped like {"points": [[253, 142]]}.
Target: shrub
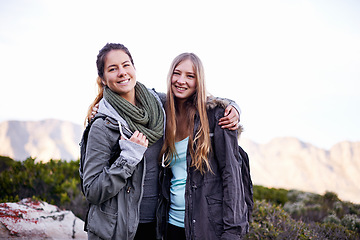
{"points": [[351, 222], [56, 182], [276, 196], [272, 222], [277, 214], [332, 218]]}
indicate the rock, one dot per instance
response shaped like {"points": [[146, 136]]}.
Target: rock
{"points": [[30, 219]]}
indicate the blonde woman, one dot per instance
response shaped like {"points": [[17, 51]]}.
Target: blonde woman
{"points": [[201, 188]]}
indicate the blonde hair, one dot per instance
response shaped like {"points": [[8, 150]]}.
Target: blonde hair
{"points": [[100, 63], [199, 145]]}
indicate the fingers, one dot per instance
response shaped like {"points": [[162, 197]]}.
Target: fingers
{"points": [[94, 110], [230, 119], [230, 126], [139, 138], [227, 110], [234, 114], [234, 127]]}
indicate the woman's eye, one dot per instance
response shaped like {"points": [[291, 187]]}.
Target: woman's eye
{"points": [[191, 76], [176, 73]]}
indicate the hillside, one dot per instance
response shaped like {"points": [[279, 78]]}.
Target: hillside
{"points": [[282, 163], [45, 140], [289, 163]]}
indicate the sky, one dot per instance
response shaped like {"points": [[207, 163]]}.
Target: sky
{"points": [[293, 67]]}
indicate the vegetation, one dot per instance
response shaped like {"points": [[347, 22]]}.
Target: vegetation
{"points": [[278, 213], [56, 182]]}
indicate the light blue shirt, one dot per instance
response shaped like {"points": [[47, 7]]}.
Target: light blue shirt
{"points": [[177, 187]]}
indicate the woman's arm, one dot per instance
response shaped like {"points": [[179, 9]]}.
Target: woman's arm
{"points": [[232, 112], [231, 119], [101, 181]]}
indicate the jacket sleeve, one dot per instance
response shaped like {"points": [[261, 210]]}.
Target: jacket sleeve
{"points": [[224, 102], [160, 95], [217, 100], [234, 207], [101, 181]]}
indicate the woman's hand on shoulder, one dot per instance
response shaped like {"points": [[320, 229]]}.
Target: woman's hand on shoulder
{"points": [[94, 110], [231, 119], [139, 138]]}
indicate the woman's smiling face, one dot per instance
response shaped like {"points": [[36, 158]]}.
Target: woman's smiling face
{"points": [[120, 74], [183, 81]]}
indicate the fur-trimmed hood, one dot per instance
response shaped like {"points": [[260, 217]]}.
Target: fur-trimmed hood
{"points": [[212, 102]]}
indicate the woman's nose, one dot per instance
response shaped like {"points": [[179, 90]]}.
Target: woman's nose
{"points": [[121, 72], [181, 80]]}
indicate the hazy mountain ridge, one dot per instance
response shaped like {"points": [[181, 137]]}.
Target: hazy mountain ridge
{"points": [[289, 163], [283, 162], [45, 140]]}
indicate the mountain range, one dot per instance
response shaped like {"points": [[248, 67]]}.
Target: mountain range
{"points": [[284, 162], [45, 140]]}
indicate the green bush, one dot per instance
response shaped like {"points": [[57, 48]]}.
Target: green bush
{"points": [[272, 222], [277, 214], [332, 218], [56, 182], [351, 222], [5, 163], [276, 196]]}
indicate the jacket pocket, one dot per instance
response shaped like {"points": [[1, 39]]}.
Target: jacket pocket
{"points": [[102, 220], [215, 208]]}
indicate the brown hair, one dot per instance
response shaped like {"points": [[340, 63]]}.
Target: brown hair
{"points": [[100, 62], [199, 145]]}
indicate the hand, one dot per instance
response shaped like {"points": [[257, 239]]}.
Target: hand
{"points": [[138, 138], [94, 110], [231, 119]]}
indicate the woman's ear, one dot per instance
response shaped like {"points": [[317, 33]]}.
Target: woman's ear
{"points": [[103, 82]]}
